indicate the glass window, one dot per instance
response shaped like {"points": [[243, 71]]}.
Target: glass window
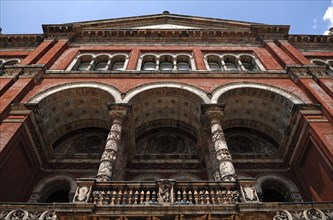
{"points": [[118, 66], [183, 66], [11, 62], [214, 66], [101, 65], [249, 66], [231, 65], [149, 66], [84, 66], [319, 63], [166, 66]]}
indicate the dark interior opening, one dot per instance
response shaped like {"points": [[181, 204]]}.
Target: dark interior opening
{"points": [[58, 196], [273, 196]]}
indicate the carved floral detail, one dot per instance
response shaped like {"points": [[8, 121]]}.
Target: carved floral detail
{"points": [[20, 214]]}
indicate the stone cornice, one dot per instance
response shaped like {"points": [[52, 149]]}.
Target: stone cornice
{"points": [[20, 40]]}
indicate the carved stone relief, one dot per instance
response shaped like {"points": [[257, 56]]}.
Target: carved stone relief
{"points": [[82, 194], [167, 143], [85, 142]]}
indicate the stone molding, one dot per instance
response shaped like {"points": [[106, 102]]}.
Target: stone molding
{"points": [[230, 86], [114, 92]]}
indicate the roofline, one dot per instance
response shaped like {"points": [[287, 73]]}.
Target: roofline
{"points": [[157, 15]]}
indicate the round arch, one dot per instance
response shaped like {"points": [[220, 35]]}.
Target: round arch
{"points": [[114, 92], [292, 190], [43, 187], [220, 90], [133, 92]]}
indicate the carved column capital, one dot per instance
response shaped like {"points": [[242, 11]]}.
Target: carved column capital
{"points": [[118, 115]]}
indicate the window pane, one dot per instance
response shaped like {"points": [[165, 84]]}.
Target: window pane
{"points": [[248, 66], [101, 65], [231, 66], [214, 66], [149, 66], [118, 66], [166, 66], [183, 66], [84, 66]]}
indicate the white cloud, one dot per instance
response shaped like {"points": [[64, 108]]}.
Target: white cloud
{"points": [[328, 16], [314, 26]]}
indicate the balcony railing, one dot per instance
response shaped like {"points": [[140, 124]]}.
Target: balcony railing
{"points": [[164, 192]]}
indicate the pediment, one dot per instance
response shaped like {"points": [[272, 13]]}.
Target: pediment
{"points": [[162, 21], [165, 26]]}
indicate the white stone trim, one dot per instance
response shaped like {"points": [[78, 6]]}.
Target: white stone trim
{"points": [[182, 86], [225, 88], [115, 93]]}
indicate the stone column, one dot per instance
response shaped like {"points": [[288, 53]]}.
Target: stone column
{"points": [[225, 169], [109, 156]]}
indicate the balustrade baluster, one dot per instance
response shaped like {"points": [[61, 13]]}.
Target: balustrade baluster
{"points": [[153, 198], [142, 197], [125, 197], [190, 198], [120, 194], [107, 197], [185, 198], [213, 197], [147, 197], [130, 197], [196, 198], [136, 197], [207, 199]]}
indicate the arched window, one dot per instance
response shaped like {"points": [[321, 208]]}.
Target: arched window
{"points": [[230, 63], [83, 64], [118, 63], [166, 63], [56, 188], [183, 63], [319, 63], [149, 63], [276, 188], [214, 63], [11, 62], [101, 62], [61, 194], [248, 63]]}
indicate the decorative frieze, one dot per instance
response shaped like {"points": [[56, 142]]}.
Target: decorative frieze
{"points": [[21, 214], [308, 214]]}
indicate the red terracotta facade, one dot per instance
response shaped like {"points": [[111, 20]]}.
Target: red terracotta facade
{"points": [[46, 72]]}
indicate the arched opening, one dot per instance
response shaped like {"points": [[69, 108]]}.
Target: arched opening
{"points": [[183, 63], [11, 62], [55, 188], [83, 63], [248, 63], [166, 122], [166, 63], [274, 191], [101, 62], [276, 188], [230, 62], [118, 63], [149, 63], [214, 62], [60, 195]]}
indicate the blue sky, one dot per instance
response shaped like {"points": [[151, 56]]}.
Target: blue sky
{"points": [[304, 17]]}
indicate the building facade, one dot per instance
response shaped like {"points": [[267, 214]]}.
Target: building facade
{"points": [[166, 116]]}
